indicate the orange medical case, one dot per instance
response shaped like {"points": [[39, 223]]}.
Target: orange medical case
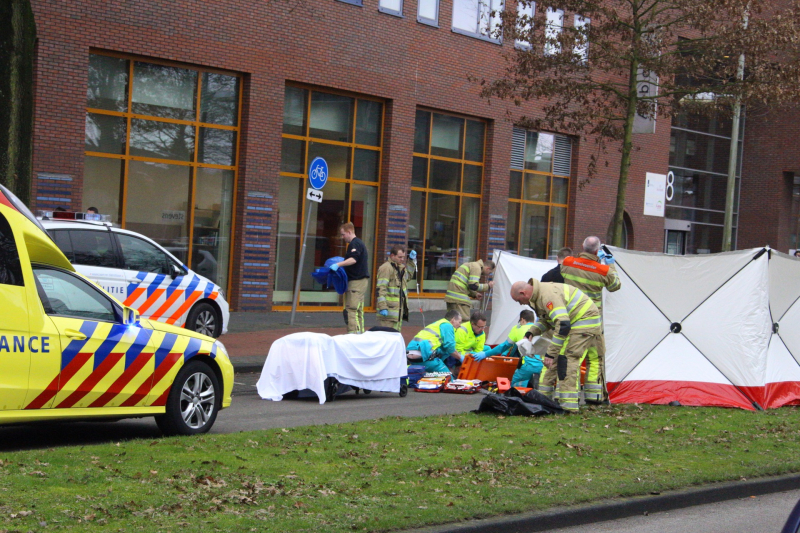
{"points": [[488, 369]]}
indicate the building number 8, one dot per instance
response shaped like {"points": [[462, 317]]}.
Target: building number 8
{"points": [[670, 186]]}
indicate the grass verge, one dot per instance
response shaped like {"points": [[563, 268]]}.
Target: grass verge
{"points": [[392, 473]]}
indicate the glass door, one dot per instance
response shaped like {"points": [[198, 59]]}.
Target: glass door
{"points": [[675, 242]]}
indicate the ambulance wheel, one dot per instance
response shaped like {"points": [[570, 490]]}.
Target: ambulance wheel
{"points": [[367, 391], [403, 390], [204, 319], [193, 401]]}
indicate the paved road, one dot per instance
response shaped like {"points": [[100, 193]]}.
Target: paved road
{"points": [[760, 514], [248, 412]]}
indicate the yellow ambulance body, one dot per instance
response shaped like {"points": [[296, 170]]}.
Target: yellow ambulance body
{"points": [[70, 350]]}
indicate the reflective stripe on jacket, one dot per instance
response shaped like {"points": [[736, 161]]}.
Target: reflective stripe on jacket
{"points": [[464, 283], [392, 282], [564, 309], [433, 334], [467, 341], [587, 274]]}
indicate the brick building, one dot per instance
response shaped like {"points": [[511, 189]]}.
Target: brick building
{"points": [[199, 121]]}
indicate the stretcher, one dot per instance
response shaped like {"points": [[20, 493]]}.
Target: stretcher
{"points": [[372, 361]]}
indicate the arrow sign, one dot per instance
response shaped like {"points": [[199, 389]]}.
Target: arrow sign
{"points": [[314, 195]]}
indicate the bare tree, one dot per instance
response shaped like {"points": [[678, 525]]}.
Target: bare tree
{"points": [[17, 40], [623, 58]]}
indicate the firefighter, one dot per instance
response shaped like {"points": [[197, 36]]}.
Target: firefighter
{"points": [[464, 284], [575, 322], [435, 343], [586, 273], [529, 366], [391, 303]]}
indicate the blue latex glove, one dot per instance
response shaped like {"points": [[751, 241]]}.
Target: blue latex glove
{"points": [[412, 254], [383, 312], [610, 259], [334, 267], [480, 356]]}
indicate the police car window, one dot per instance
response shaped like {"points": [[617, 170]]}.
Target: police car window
{"points": [[10, 269], [63, 294], [141, 255], [62, 240], [93, 248]]}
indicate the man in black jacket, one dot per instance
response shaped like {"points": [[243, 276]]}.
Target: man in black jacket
{"points": [[554, 275]]}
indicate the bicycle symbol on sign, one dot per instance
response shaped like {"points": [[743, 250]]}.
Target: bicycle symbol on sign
{"points": [[318, 173]]}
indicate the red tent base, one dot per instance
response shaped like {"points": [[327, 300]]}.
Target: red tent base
{"points": [[691, 393], [775, 395]]}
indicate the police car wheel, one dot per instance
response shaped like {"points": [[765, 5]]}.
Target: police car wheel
{"points": [[193, 401], [204, 319]]}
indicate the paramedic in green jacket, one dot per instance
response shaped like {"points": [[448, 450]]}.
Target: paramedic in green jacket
{"points": [[435, 343], [470, 338], [529, 365]]}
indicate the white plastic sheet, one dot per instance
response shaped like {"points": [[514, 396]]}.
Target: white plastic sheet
{"points": [[372, 360]]}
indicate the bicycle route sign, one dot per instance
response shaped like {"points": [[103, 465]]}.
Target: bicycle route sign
{"points": [[318, 173]]}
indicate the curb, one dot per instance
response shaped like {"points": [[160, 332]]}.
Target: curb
{"points": [[246, 368], [623, 508]]}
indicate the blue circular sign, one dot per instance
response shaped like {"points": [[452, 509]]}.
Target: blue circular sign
{"points": [[318, 173]]}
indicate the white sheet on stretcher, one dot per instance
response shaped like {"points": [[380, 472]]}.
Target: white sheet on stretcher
{"points": [[373, 360]]}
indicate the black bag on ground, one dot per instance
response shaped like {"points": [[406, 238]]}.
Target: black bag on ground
{"points": [[383, 328], [513, 403]]}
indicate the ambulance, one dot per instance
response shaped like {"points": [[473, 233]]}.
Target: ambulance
{"points": [[69, 350], [139, 272]]}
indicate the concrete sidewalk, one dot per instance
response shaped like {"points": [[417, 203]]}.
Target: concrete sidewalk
{"points": [[251, 334]]}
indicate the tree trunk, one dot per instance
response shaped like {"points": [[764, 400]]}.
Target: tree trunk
{"points": [[17, 40], [625, 162]]}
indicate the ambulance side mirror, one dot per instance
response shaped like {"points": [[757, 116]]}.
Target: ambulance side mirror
{"points": [[130, 316]]}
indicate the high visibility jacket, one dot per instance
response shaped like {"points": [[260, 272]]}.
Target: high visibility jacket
{"points": [[587, 274], [516, 334], [440, 334], [392, 289], [565, 310], [464, 283], [467, 341]]}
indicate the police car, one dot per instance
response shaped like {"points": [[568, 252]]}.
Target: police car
{"points": [[70, 350], [140, 273]]}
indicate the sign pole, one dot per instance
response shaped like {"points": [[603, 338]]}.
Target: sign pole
{"points": [[300, 266], [317, 178]]}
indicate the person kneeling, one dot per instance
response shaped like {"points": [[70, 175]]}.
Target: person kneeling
{"points": [[435, 342]]}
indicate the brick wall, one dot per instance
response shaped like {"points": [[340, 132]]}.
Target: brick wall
{"points": [[770, 160], [328, 44]]}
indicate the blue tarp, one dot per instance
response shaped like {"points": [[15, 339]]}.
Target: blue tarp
{"points": [[337, 280]]}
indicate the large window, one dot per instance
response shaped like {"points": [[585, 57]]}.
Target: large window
{"points": [[347, 132], [538, 193], [478, 18], [161, 155], [446, 185], [698, 159]]}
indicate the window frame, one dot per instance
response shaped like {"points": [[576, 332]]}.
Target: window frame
{"points": [[194, 164], [520, 201], [581, 51], [396, 13], [479, 34], [117, 310], [358, 3], [424, 20], [553, 31], [427, 190], [352, 145], [525, 45]]}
